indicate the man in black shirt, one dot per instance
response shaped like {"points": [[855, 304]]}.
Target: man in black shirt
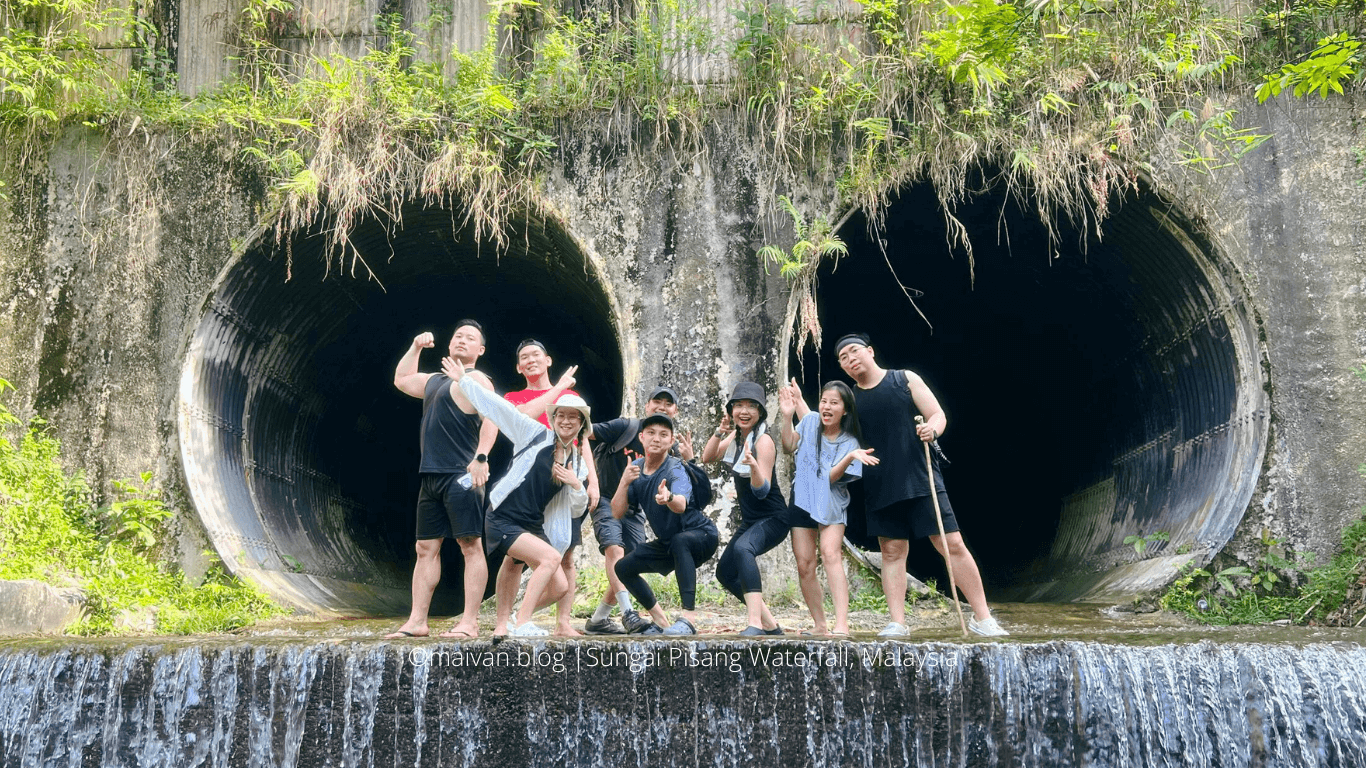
{"points": [[618, 445], [454, 470], [897, 491]]}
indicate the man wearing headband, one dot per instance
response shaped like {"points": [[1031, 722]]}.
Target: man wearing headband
{"points": [[898, 504], [455, 443], [618, 444], [533, 362]]}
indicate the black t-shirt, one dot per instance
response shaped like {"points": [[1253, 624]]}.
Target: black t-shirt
{"points": [[526, 504], [449, 436], [886, 415]]}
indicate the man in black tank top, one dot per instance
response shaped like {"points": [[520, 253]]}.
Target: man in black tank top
{"points": [[897, 490], [454, 470]]}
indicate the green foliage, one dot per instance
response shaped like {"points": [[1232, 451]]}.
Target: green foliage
{"points": [[50, 531], [1336, 60], [1141, 543], [1264, 593], [1060, 100]]}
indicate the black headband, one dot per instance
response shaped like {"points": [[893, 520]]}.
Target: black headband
{"points": [[851, 338]]}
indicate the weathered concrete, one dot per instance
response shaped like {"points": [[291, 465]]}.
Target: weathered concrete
{"points": [[1292, 218], [31, 607], [111, 255]]}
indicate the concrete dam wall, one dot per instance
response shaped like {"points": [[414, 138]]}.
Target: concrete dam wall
{"points": [[1187, 371]]}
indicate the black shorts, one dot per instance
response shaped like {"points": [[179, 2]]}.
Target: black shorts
{"points": [[627, 533], [448, 510], [799, 518], [500, 533], [911, 518]]}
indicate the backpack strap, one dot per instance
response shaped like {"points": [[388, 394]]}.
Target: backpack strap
{"points": [[632, 429]]}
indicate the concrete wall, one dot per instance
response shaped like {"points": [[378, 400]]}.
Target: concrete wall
{"points": [[1292, 218]]}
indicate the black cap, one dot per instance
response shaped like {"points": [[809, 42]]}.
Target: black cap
{"points": [[657, 418], [851, 338], [529, 343], [663, 391]]}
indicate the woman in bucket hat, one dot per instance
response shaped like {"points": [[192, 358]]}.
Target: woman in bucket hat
{"points": [[743, 446]]}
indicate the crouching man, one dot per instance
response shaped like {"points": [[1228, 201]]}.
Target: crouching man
{"points": [[660, 486]]}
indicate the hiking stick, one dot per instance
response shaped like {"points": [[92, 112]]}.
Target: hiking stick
{"points": [[939, 519]]}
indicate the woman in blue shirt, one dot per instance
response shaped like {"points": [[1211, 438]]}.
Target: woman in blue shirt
{"points": [[828, 457]]}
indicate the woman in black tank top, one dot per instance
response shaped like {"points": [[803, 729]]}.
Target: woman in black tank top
{"points": [[749, 453]]}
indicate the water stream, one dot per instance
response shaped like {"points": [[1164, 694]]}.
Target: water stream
{"points": [[1159, 696]]}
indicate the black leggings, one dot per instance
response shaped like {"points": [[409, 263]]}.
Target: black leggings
{"points": [[737, 570], [681, 554]]}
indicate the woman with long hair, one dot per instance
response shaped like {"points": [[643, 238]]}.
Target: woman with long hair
{"points": [[748, 452], [828, 457], [531, 506]]}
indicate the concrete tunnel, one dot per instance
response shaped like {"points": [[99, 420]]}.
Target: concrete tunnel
{"points": [[300, 455], [1114, 388]]}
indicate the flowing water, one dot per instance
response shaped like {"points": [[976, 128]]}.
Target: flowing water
{"points": [[1071, 688]]}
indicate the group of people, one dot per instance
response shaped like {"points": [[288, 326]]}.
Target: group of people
{"points": [[625, 472]]}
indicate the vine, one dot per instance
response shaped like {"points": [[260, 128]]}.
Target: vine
{"points": [[1059, 102]]}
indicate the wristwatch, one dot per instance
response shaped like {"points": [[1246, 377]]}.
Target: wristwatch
{"points": [[670, 500], [482, 458]]}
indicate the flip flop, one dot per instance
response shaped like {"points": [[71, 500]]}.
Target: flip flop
{"points": [[462, 634], [405, 633]]}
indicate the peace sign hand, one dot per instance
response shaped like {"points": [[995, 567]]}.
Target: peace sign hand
{"points": [[567, 380]]}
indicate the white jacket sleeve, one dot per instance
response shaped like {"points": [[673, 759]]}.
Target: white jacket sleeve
{"points": [[515, 425]]}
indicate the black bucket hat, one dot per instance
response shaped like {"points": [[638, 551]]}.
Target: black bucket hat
{"points": [[748, 390]]}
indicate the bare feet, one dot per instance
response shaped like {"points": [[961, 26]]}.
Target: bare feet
{"points": [[564, 630], [461, 632], [414, 630]]}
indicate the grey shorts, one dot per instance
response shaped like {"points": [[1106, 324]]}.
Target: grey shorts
{"points": [[627, 533]]}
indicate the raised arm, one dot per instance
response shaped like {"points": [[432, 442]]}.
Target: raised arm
{"points": [[787, 406], [621, 500], [534, 408], [928, 405], [518, 427], [719, 441], [802, 407], [406, 376], [488, 433]]}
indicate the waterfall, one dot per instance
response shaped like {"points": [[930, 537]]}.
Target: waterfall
{"points": [[664, 703]]}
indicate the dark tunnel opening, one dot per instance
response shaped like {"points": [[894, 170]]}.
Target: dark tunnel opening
{"points": [[1110, 389], [300, 454]]}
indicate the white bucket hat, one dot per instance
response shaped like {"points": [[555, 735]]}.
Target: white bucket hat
{"points": [[571, 401]]}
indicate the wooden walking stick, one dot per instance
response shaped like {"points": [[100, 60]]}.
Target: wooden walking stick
{"points": [[939, 519]]}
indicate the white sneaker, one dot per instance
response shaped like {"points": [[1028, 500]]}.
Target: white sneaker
{"points": [[529, 630], [894, 630], [987, 627]]}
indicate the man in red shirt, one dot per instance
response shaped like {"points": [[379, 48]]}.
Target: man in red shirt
{"points": [[533, 362]]}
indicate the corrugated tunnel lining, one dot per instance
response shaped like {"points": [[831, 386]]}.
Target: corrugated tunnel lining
{"points": [[300, 455], [1091, 396]]}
